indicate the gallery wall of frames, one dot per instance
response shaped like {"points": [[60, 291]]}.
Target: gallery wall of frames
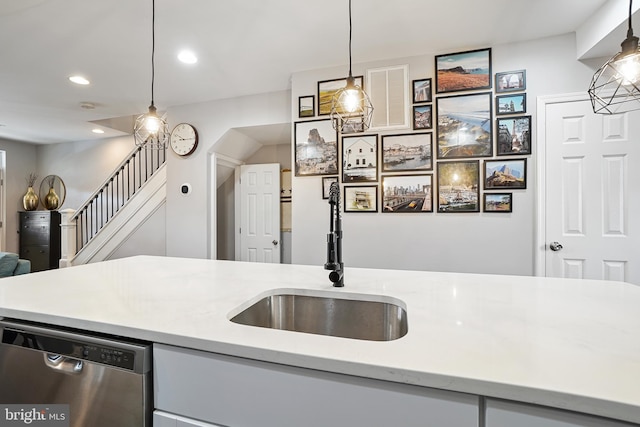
{"points": [[467, 149]]}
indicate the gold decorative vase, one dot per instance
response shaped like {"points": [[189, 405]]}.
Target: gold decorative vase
{"points": [[30, 200], [51, 200]]}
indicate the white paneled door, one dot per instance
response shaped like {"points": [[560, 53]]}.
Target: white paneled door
{"points": [[592, 193], [260, 213]]}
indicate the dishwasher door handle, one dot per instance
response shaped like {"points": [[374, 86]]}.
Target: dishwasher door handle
{"points": [[63, 364]]}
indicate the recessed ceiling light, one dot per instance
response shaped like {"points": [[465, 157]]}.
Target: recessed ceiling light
{"points": [[96, 130], [79, 80], [187, 57]]}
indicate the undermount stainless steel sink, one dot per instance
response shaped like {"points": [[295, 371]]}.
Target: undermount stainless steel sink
{"points": [[363, 317]]}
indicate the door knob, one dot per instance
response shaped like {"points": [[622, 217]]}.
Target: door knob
{"points": [[555, 246], [275, 243]]}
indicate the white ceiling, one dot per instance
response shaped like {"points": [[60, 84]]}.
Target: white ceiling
{"points": [[244, 47]]}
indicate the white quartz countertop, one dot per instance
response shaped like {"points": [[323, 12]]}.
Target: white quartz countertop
{"points": [[572, 344]]}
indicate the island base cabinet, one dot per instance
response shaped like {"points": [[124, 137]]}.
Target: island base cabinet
{"points": [[500, 413], [163, 419], [239, 392]]}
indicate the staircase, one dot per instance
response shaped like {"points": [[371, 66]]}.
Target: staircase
{"points": [[132, 194]]}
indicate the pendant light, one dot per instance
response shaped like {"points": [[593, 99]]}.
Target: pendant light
{"points": [[351, 108], [615, 87], [150, 130]]}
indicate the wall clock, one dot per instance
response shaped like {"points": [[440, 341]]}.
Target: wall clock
{"points": [[184, 139]]}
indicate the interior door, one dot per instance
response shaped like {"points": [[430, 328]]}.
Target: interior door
{"points": [[260, 213], [592, 188]]}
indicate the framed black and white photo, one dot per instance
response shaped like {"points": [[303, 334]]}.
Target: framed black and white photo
{"points": [[306, 106], [407, 152], [422, 117], [511, 81], [498, 202], [511, 104], [459, 186], [407, 193], [326, 90], [422, 91], [505, 174], [326, 185], [362, 198], [463, 71], [360, 158], [514, 135], [464, 126], [316, 148]]}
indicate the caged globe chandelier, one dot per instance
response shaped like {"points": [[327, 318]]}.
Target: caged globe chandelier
{"points": [[150, 130], [351, 108], [615, 87]]}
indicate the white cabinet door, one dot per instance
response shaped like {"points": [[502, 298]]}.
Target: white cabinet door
{"points": [[163, 419], [510, 414]]}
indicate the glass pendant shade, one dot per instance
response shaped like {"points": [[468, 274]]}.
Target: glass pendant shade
{"points": [[151, 131], [615, 87]]}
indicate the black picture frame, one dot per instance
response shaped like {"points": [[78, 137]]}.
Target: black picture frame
{"points": [[464, 126], [513, 136], [463, 71], [326, 185], [422, 117], [505, 174], [360, 158], [497, 202], [407, 193], [315, 148], [361, 198], [422, 91], [513, 103], [306, 106], [407, 152], [459, 186], [511, 81], [326, 90]]}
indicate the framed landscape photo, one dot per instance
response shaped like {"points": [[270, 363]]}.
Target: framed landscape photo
{"points": [[361, 198], [326, 185], [360, 158], [407, 193], [464, 126], [514, 135], [407, 152], [511, 81], [505, 174], [306, 106], [511, 104], [326, 90], [422, 117], [459, 186], [498, 202], [469, 70], [422, 91], [316, 148]]}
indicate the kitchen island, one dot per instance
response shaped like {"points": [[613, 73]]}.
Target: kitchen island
{"points": [[566, 344]]}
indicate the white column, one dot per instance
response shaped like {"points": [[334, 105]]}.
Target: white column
{"points": [[68, 237]]}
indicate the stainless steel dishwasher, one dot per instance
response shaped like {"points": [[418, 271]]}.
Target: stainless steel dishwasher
{"points": [[106, 381]]}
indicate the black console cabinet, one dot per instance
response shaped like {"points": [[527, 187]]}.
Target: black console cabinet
{"points": [[40, 239]]}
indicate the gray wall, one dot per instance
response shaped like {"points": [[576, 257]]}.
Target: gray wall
{"points": [[463, 242]]}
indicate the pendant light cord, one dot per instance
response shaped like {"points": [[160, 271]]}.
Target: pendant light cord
{"points": [[350, 31], [630, 30], [153, 46]]}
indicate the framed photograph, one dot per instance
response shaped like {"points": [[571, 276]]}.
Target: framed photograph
{"points": [[407, 152], [360, 158], [355, 125], [407, 193], [316, 148], [326, 185], [511, 81], [422, 117], [464, 126], [498, 202], [306, 106], [503, 174], [421, 91], [459, 186], [514, 136], [469, 70], [326, 90], [361, 198], [511, 104]]}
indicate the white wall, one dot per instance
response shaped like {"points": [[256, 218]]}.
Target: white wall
{"points": [[463, 242]]}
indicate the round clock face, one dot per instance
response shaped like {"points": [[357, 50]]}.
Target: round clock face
{"points": [[184, 139]]}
